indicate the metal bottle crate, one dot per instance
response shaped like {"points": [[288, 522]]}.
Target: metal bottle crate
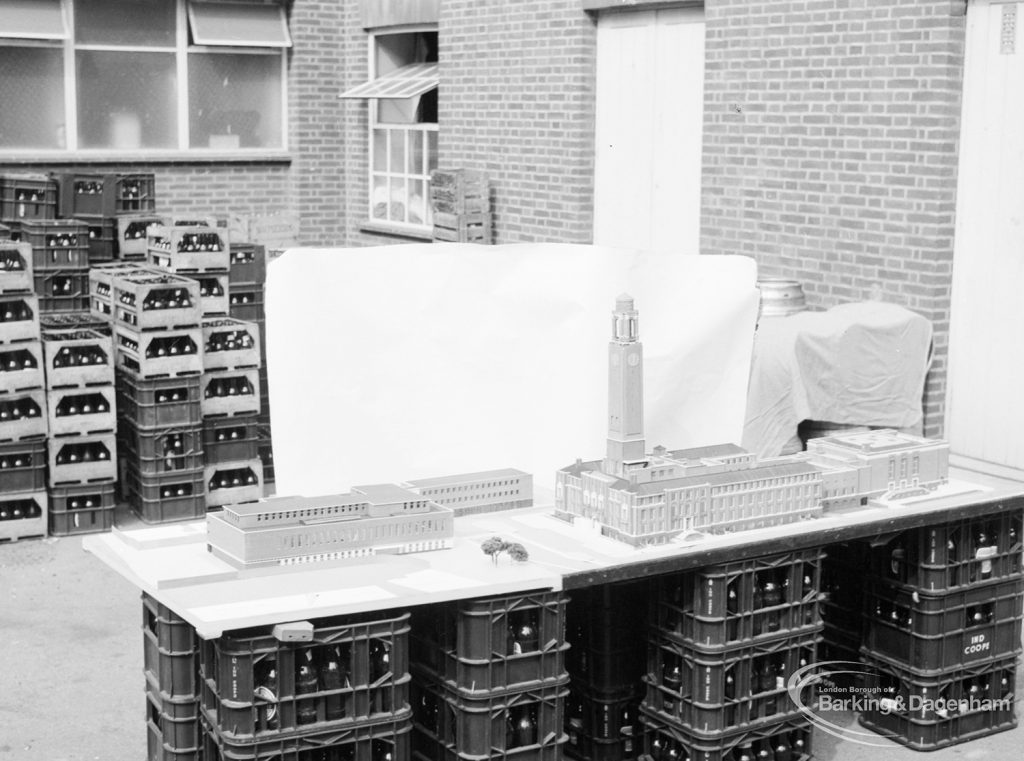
{"points": [[159, 354], [492, 645], [23, 415], [159, 402], [383, 741], [170, 651], [601, 727], [82, 509], [101, 285], [189, 250], [230, 344], [927, 714], [77, 358], [22, 515], [57, 244], [21, 366], [248, 264], [19, 317], [720, 607], [15, 267], [27, 196], [226, 393], [106, 194], [81, 411], [83, 459], [952, 555], [234, 438], [165, 497], [526, 724], [146, 300], [133, 235], [243, 704], [710, 695], [62, 290], [933, 634], [172, 722], [161, 450], [246, 302], [23, 466], [232, 482], [663, 742]]}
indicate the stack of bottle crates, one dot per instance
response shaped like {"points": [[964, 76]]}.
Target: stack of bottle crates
{"points": [[842, 603], [490, 678], [461, 206], [230, 406], [60, 263], [158, 350], [335, 689], [98, 200], [724, 640], [81, 412], [942, 614], [606, 663], [247, 277], [23, 504]]}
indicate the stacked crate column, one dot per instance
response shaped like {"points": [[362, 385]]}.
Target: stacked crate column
{"points": [[460, 203], [606, 663], [23, 426], [60, 263], [81, 407], [723, 643], [489, 677], [942, 610]]}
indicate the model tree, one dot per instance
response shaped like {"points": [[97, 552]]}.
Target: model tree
{"points": [[496, 545]]}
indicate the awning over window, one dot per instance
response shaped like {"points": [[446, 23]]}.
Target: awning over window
{"points": [[254, 25], [406, 82], [32, 20]]}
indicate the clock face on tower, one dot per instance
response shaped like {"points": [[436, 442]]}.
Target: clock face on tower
{"points": [[633, 359]]}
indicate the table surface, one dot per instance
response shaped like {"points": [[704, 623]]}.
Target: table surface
{"points": [[171, 562]]}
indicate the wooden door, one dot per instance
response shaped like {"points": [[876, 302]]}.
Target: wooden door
{"points": [[985, 396], [650, 111]]}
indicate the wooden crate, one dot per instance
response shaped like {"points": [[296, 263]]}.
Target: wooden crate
{"points": [[463, 228]]}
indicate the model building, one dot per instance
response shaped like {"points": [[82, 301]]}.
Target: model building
{"points": [[642, 497]]}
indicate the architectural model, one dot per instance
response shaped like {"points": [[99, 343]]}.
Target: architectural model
{"points": [[417, 516], [648, 498]]}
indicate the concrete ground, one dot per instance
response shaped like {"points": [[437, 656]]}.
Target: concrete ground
{"points": [[71, 679]]}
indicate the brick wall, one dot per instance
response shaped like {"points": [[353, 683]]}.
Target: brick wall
{"points": [[517, 101], [830, 150]]}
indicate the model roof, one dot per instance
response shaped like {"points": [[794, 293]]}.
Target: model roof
{"points": [[426, 483]]}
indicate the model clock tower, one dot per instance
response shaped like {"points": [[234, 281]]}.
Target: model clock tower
{"points": [[625, 389]]}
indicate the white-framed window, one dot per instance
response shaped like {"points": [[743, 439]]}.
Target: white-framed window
{"points": [[142, 76], [402, 93]]}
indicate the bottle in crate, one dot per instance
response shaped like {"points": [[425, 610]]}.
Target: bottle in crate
{"points": [[77, 359], [230, 344], [166, 497], [230, 483], [86, 459], [27, 196], [226, 393], [21, 366], [81, 509], [159, 354], [189, 250], [248, 264], [19, 318], [145, 300], [23, 416], [106, 194]]}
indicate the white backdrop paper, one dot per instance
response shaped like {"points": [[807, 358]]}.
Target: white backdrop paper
{"points": [[401, 362]]}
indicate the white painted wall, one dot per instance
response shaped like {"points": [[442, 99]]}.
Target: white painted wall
{"points": [[650, 111], [985, 398]]}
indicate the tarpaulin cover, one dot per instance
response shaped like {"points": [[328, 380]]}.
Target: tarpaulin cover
{"points": [[423, 360], [855, 364]]}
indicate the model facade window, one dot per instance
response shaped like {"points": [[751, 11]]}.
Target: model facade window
{"points": [[124, 76], [402, 95]]}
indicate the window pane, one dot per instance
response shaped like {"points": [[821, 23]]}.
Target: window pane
{"points": [[416, 154], [397, 163], [379, 202], [125, 22], [380, 150], [234, 100], [32, 19], [126, 100], [397, 207], [32, 98], [234, 23], [431, 151]]}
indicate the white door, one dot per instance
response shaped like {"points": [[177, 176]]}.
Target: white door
{"points": [[985, 397], [650, 115]]}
